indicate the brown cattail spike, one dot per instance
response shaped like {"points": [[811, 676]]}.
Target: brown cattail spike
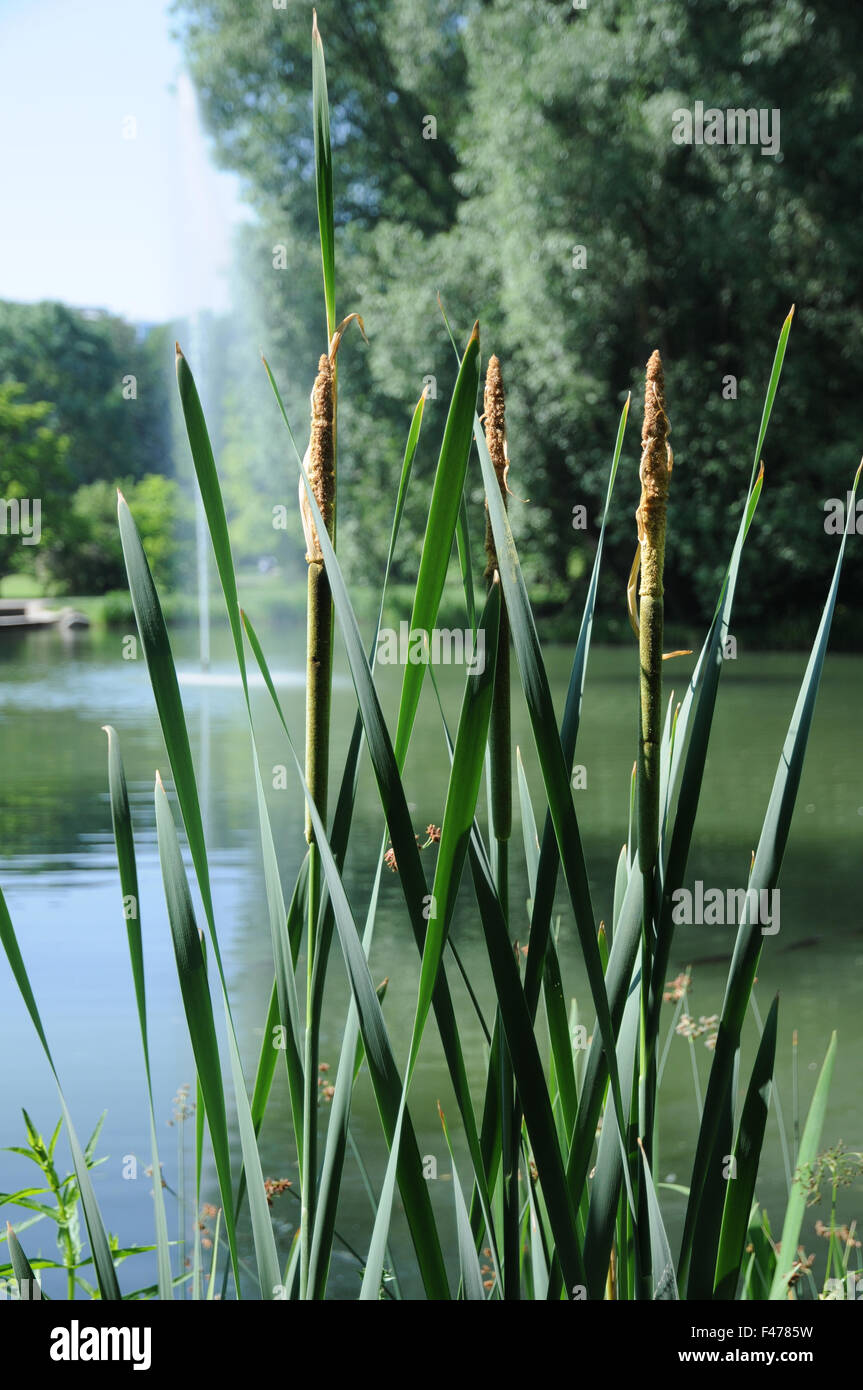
{"points": [[499, 736], [494, 419], [655, 474], [319, 461], [657, 462], [319, 464]]}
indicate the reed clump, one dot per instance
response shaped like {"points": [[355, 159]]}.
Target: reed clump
{"points": [[557, 1199]]}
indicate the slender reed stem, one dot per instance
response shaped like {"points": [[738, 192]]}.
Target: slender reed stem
{"points": [[500, 759], [320, 466], [655, 474]]}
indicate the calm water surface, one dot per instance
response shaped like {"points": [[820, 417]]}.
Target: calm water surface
{"points": [[58, 871]]}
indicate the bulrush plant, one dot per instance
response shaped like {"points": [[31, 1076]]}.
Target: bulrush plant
{"points": [[556, 1198], [319, 473]]}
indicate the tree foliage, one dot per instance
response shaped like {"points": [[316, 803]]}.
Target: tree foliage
{"points": [[107, 382], [32, 455], [553, 202]]}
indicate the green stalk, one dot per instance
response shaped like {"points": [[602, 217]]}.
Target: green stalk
{"points": [[64, 1216], [499, 737], [655, 474], [320, 468], [500, 762], [181, 1198]]}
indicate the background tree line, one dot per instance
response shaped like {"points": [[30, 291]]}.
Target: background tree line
{"points": [[515, 156], [552, 131], [85, 408]]}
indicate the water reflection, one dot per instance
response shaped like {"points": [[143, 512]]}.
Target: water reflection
{"points": [[59, 875]]}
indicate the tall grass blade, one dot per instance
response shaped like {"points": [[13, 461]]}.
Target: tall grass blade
{"points": [[198, 1007], [458, 818], [163, 678], [605, 1188], [551, 755], [664, 1282], [440, 528], [747, 948], [324, 175], [707, 672], [23, 1271], [807, 1155], [382, 1067], [527, 1065], [627, 915], [385, 760], [740, 1189], [514, 1029], [125, 843], [284, 954], [471, 1274]]}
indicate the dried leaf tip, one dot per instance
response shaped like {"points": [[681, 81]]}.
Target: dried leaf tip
{"points": [[340, 332]]}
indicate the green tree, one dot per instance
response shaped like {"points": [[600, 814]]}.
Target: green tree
{"points": [[33, 472], [556, 205], [87, 556], [108, 382]]}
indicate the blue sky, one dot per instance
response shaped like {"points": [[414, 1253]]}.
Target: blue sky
{"points": [[141, 225]]}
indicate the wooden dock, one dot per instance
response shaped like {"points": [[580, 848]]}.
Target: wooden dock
{"points": [[31, 612]]}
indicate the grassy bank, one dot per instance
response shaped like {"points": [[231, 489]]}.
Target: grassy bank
{"points": [[277, 599]]}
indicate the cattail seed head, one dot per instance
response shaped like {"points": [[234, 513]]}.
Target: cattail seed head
{"points": [[494, 406], [499, 733], [655, 475], [657, 462], [320, 459]]}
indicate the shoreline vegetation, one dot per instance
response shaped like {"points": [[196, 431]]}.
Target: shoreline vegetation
{"points": [[278, 600]]}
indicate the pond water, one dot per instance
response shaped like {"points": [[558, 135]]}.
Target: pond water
{"points": [[58, 872]]}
